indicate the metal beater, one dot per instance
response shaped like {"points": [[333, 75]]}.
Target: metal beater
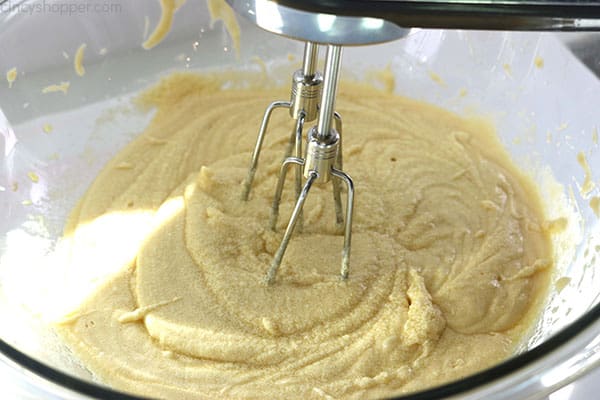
{"points": [[303, 107], [312, 97], [336, 23]]}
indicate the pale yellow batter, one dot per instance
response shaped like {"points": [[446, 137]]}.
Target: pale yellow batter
{"points": [[450, 257]]}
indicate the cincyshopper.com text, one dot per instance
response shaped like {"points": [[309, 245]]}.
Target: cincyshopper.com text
{"points": [[61, 8]]}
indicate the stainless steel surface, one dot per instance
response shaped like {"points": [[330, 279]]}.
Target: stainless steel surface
{"points": [[323, 158], [294, 149], [271, 273], [309, 62], [321, 154], [306, 91], [333, 59], [319, 167], [303, 107], [247, 185], [296, 141], [348, 223], [339, 165], [318, 28]]}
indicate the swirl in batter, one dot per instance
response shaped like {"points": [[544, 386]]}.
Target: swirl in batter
{"points": [[450, 260]]}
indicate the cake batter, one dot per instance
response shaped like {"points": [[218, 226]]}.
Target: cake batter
{"points": [[450, 261]]}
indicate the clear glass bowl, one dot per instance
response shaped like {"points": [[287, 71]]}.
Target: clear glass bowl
{"points": [[541, 97]]}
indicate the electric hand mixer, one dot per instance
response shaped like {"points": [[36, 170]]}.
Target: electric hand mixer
{"points": [[337, 23]]}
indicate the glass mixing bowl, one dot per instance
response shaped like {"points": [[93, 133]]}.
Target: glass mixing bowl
{"points": [[543, 100]]}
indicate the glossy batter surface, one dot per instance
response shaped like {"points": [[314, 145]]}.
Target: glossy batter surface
{"points": [[450, 257]]}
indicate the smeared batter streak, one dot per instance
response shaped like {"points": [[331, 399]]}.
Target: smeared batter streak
{"points": [[220, 11], [78, 60], [168, 8], [61, 87]]}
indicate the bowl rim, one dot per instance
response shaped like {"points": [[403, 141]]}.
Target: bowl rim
{"points": [[478, 380]]}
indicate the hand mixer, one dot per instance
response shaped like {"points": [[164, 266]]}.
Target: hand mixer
{"points": [[338, 23]]}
